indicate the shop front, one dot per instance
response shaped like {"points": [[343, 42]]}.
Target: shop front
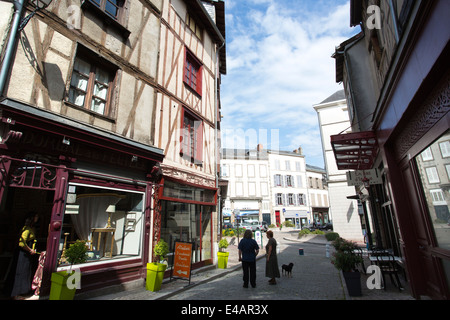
{"points": [[187, 216], [84, 184]]}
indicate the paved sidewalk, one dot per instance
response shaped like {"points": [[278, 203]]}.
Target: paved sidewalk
{"points": [[314, 277]]}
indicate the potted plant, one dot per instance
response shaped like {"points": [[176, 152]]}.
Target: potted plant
{"points": [[60, 290], [222, 255], [155, 270], [345, 259]]}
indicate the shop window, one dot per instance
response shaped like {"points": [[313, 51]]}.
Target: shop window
{"points": [[187, 222], [91, 84], [193, 72], [192, 138], [438, 199], [109, 220]]}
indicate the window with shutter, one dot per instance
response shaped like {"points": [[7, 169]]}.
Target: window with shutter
{"points": [[192, 138]]}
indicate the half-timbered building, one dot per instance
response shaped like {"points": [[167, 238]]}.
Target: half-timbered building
{"points": [[108, 107]]}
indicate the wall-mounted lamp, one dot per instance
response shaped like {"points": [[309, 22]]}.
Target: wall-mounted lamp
{"points": [[17, 25], [38, 5]]}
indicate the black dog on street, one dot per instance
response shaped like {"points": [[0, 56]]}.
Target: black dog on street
{"points": [[287, 268]]}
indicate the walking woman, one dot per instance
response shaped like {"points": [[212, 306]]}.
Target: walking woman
{"points": [[272, 270], [24, 272], [248, 250]]}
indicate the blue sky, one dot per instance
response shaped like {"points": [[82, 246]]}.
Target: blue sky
{"points": [[278, 66]]}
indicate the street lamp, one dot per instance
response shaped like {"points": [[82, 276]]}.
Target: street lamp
{"points": [[17, 25], [38, 5]]}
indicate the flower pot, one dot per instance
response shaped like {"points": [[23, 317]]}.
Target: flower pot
{"points": [[58, 289], [155, 276], [353, 283], [222, 259]]}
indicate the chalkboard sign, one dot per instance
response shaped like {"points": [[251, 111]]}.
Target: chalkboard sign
{"points": [[182, 260]]}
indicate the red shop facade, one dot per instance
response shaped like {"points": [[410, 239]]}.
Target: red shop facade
{"points": [[83, 183]]}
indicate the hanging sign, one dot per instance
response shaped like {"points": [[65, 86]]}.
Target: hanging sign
{"points": [[182, 260], [356, 178]]}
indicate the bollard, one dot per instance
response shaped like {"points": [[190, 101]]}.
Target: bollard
{"points": [[300, 251], [327, 250]]}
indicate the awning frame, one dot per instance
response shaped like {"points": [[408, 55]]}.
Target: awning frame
{"points": [[355, 151]]}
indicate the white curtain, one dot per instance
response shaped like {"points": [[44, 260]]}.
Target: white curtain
{"points": [[92, 212]]}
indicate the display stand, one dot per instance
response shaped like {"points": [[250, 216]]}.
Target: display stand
{"points": [[182, 261]]}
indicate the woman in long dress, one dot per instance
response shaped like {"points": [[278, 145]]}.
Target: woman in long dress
{"points": [[24, 272], [272, 270]]}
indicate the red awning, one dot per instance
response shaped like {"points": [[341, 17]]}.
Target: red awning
{"points": [[355, 151]]}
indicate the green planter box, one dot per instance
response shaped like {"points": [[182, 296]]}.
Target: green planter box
{"points": [[222, 259], [155, 276], [58, 289]]}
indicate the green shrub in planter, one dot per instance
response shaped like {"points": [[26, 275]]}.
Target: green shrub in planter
{"points": [[155, 270], [331, 236], [303, 233], [222, 255], [75, 254]]}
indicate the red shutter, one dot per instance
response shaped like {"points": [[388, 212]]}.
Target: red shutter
{"points": [[199, 80], [198, 157]]}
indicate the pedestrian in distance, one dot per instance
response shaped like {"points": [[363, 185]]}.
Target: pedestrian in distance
{"points": [[248, 250], [272, 270]]}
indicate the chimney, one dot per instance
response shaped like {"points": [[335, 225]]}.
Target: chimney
{"points": [[259, 147], [298, 151]]}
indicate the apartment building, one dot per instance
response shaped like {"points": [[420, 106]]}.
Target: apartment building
{"points": [[272, 186]]}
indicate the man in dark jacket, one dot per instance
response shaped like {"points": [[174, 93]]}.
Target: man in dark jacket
{"points": [[248, 250]]}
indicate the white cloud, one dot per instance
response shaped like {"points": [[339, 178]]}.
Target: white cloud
{"points": [[279, 65]]}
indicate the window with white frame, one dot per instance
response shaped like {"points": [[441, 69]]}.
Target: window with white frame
{"points": [[432, 175], [438, 197], [445, 149], [288, 165], [262, 170], [238, 170], [279, 199], [291, 200], [264, 189], [299, 182], [239, 189], [277, 180], [427, 155], [301, 199], [251, 170], [252, 189], [289, 181], [224, 170]]}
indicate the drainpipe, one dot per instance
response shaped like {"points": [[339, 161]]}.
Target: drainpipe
{"points": [[394, 20], [9, 53], [216, 106]]}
